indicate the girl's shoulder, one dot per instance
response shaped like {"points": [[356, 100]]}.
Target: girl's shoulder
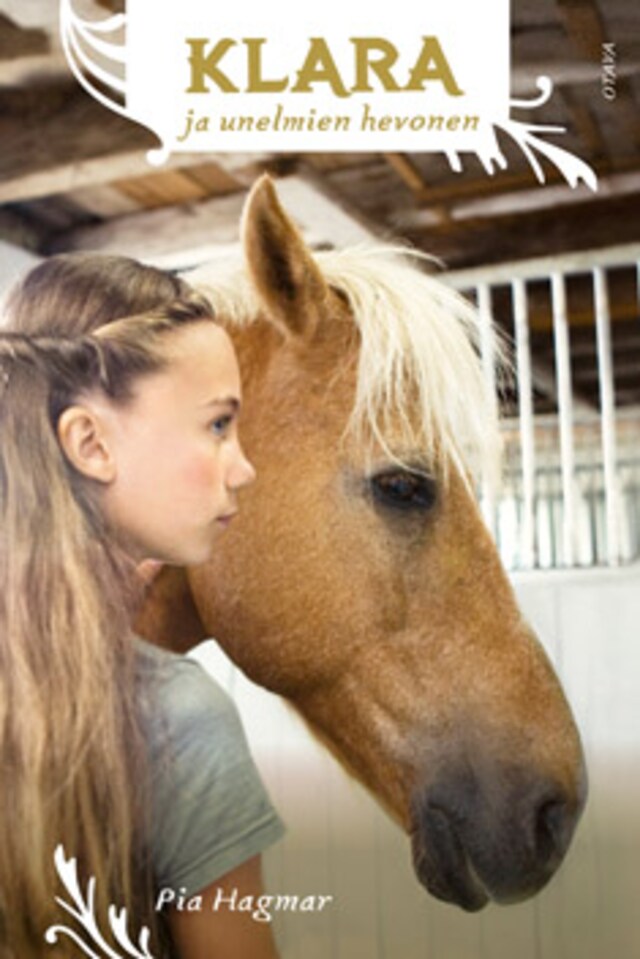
{"points": [[211, 811], [180, 698]]}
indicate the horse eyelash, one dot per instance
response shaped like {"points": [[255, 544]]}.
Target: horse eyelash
{"points": [[426, 490]]}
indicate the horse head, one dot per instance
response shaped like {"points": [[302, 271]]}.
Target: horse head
{"points": [[360, 581]]}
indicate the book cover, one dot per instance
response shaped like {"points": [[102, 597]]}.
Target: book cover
{"points": [[499, 145]]}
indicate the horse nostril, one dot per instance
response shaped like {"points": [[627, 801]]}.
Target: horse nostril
{"points": [[476, 841], [553, 828]]}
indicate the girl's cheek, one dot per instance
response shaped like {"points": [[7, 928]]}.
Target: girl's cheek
{"points": [[200, 472]]}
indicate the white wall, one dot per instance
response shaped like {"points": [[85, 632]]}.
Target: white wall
{"points": [[14, 261], [339, 843]]}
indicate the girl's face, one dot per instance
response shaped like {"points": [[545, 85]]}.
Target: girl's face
{"points": [[178, 464]]}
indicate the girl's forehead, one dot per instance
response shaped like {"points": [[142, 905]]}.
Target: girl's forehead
{"points": [[199, 343], [194, 336], [202, 360]]}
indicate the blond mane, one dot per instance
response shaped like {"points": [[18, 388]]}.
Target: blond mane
{"points": [[419, 351]]}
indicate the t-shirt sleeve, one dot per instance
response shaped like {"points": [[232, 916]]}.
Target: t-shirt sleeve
{"points": [[210, 809]]}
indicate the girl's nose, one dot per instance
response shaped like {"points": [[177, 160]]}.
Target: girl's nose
{"points": [[241, 471]]}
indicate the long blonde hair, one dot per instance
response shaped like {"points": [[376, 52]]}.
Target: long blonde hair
{"points": [[71, 747]]}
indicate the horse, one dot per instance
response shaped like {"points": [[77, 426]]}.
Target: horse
{"points": [[360, 581]]}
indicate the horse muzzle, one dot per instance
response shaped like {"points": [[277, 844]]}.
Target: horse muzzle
{"points": [[499, 840]]}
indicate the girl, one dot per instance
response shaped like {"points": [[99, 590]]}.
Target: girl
{"points": [[116, 447]]}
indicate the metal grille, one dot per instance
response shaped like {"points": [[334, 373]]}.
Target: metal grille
{"points": [[571, 490]]}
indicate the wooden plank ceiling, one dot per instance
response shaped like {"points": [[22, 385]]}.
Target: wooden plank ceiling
{"points": [[74, 175]]}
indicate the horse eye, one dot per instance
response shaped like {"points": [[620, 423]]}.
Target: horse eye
{"points": [[402, 489]]}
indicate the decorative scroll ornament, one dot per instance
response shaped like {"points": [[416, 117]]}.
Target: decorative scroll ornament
{"points": [[138, 65], [528, 138], [90, 941], [77, 34], [87, 45]]}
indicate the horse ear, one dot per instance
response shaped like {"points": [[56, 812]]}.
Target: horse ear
{"points": [[287, 278]]}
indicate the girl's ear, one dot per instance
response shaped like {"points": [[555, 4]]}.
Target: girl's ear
{"points": [[84, 442]]}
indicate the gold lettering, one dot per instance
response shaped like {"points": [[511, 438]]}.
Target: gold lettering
{"points": [[366, 63], [207, 66], [375, 59], [319, 67], [432, 65], [257, 84]]}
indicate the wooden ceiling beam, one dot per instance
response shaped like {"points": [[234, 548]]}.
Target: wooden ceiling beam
{"points": [[625, 109], [585, 124], [103, 201], [458, 187], [16, 42], [411, 176], [113, 6], [408, 172], [44, 13], [585, 28], [594, 224], [38, 45], [176, 236], [564, 73], [181, 236], [468, 197], [161, 188], [583, 24], [19, 231], [57, 139]]}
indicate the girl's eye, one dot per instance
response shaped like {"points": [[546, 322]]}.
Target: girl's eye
{"points": [[220, 426], [404, 490]]}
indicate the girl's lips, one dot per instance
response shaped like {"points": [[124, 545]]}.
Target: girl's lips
{"points": [[225, 520]]}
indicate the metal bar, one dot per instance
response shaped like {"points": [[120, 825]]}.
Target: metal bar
{"points": [[607, 411], [525, 405], [542, 267], [565, 410], [487, 337], [605, 507], [488, 355]]}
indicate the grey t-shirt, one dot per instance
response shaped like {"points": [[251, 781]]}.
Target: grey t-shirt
{"points": [[210, 809]]}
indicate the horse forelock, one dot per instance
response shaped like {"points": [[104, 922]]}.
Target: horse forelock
{"points": [[420, 383]]}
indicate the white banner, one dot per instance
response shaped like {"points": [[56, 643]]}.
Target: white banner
{"points": [[293, 77]]}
